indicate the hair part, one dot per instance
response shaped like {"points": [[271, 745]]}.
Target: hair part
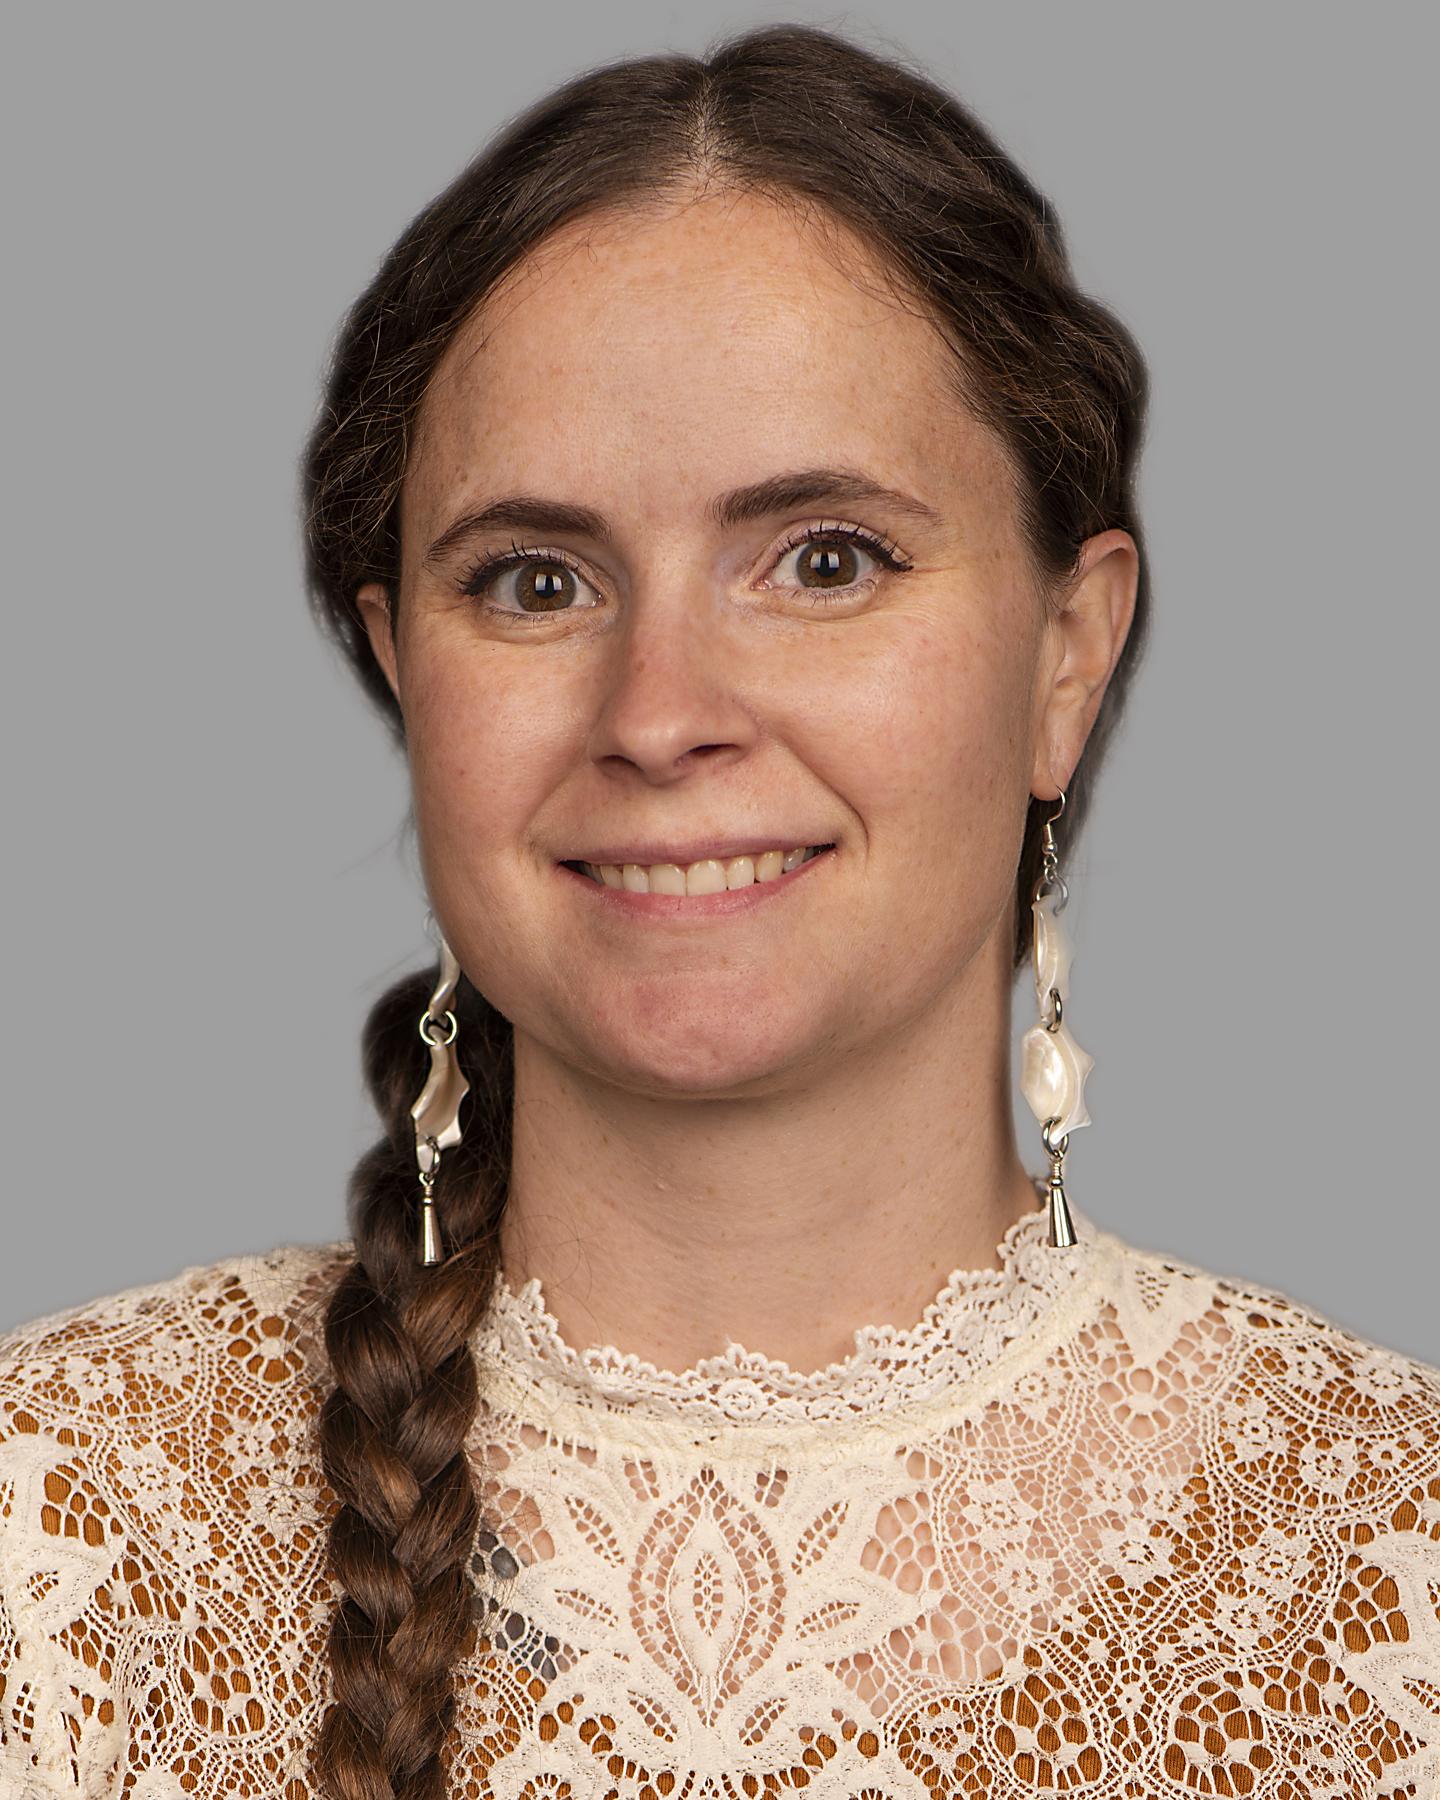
{"points": [[851, 138]]}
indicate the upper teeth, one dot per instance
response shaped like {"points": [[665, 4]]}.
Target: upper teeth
{"points": [[711, 876]]}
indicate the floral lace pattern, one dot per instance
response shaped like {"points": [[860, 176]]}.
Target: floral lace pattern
{"points": [[1101, 1524]]}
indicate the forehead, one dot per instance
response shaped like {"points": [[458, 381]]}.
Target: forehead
{"points": [[659, 357]]}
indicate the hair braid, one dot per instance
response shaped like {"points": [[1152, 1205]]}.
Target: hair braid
{"points": [[393, 1430]]}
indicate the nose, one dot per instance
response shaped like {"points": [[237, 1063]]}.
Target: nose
{"points": [[671, 689]]}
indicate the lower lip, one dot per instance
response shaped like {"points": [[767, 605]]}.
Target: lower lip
{"points": [[696, 906]]}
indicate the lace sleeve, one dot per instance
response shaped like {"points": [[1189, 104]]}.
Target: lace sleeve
{"points": [[161, 1539], [100, 1524], [54, 1709], [35, 1763]]}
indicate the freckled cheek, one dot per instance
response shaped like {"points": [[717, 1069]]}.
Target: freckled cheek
{"points": [[945, 761], [478, 768]]}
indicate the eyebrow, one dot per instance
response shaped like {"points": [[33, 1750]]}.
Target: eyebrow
{"points": [[740, 506]]}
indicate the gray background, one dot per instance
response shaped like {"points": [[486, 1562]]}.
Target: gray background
{"points": [[209, 880]]}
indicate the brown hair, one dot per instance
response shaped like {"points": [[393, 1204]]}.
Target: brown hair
{"points": [[805, 117]]}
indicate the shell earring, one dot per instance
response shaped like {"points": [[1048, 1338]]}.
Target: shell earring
{"points": [[1053, 1066], [437, 1111]]}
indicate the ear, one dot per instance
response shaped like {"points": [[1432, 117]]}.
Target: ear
{"points": [[1084, 641], [373, 600]]}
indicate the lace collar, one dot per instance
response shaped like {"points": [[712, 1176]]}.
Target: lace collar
{"points": [[979, 1320]]}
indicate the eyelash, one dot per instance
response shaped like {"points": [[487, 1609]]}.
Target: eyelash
{"points": [[485, 569]]}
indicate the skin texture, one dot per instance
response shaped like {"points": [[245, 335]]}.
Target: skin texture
{"points": [[775, 1126]]}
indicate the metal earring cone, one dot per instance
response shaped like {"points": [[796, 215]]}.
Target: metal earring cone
{"points": [[1062, 1226], [430, 1251]]}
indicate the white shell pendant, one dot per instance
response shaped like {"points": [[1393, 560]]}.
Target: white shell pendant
{"points": [[1053, 1066], [1053, 953]]}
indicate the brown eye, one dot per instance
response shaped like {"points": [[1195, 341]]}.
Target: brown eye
{"points": [[838, 559], [527, 584], [832, 561], [551, 586]]}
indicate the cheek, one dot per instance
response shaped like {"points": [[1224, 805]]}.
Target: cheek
{"points": [[943, 780], [482, 754], [945, 724]]}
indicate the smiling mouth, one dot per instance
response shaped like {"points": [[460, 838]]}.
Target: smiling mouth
{"points": [[711, 876]]}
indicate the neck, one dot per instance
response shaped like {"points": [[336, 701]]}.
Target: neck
{"points": [[669, 1226]]}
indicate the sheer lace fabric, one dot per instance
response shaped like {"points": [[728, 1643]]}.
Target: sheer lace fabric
{"points": [[1100, 1524]]}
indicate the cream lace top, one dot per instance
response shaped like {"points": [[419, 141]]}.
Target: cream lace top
{"points": [[1102, 1525]]}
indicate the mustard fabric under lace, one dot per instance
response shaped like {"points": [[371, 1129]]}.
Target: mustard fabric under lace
{"points": [[1102, 1525]]}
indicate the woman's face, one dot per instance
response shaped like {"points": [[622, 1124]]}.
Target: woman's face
{"points": [[672, 672]]}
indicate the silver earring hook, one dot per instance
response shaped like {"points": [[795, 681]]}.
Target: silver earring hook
{"points": [[1051, 878]]}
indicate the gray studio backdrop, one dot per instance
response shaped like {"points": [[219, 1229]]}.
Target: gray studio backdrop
{"points": [[208, 880]]}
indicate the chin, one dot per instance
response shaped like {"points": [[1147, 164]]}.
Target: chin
{"points": [[675, 1061]]}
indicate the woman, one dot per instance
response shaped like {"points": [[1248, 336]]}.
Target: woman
{"points": [[725, 493]]}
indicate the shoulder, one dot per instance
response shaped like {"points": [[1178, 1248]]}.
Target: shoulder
{"points": [[1328, 1422], [156, 1371], [1254, 1317], [251, 1309], [134, 1425]]}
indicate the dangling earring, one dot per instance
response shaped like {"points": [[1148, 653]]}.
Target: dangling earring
{"points": [[1054, 1067], [437, 1112]]}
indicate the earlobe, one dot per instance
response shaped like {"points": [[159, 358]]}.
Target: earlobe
{"points": [[373, 601]]}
